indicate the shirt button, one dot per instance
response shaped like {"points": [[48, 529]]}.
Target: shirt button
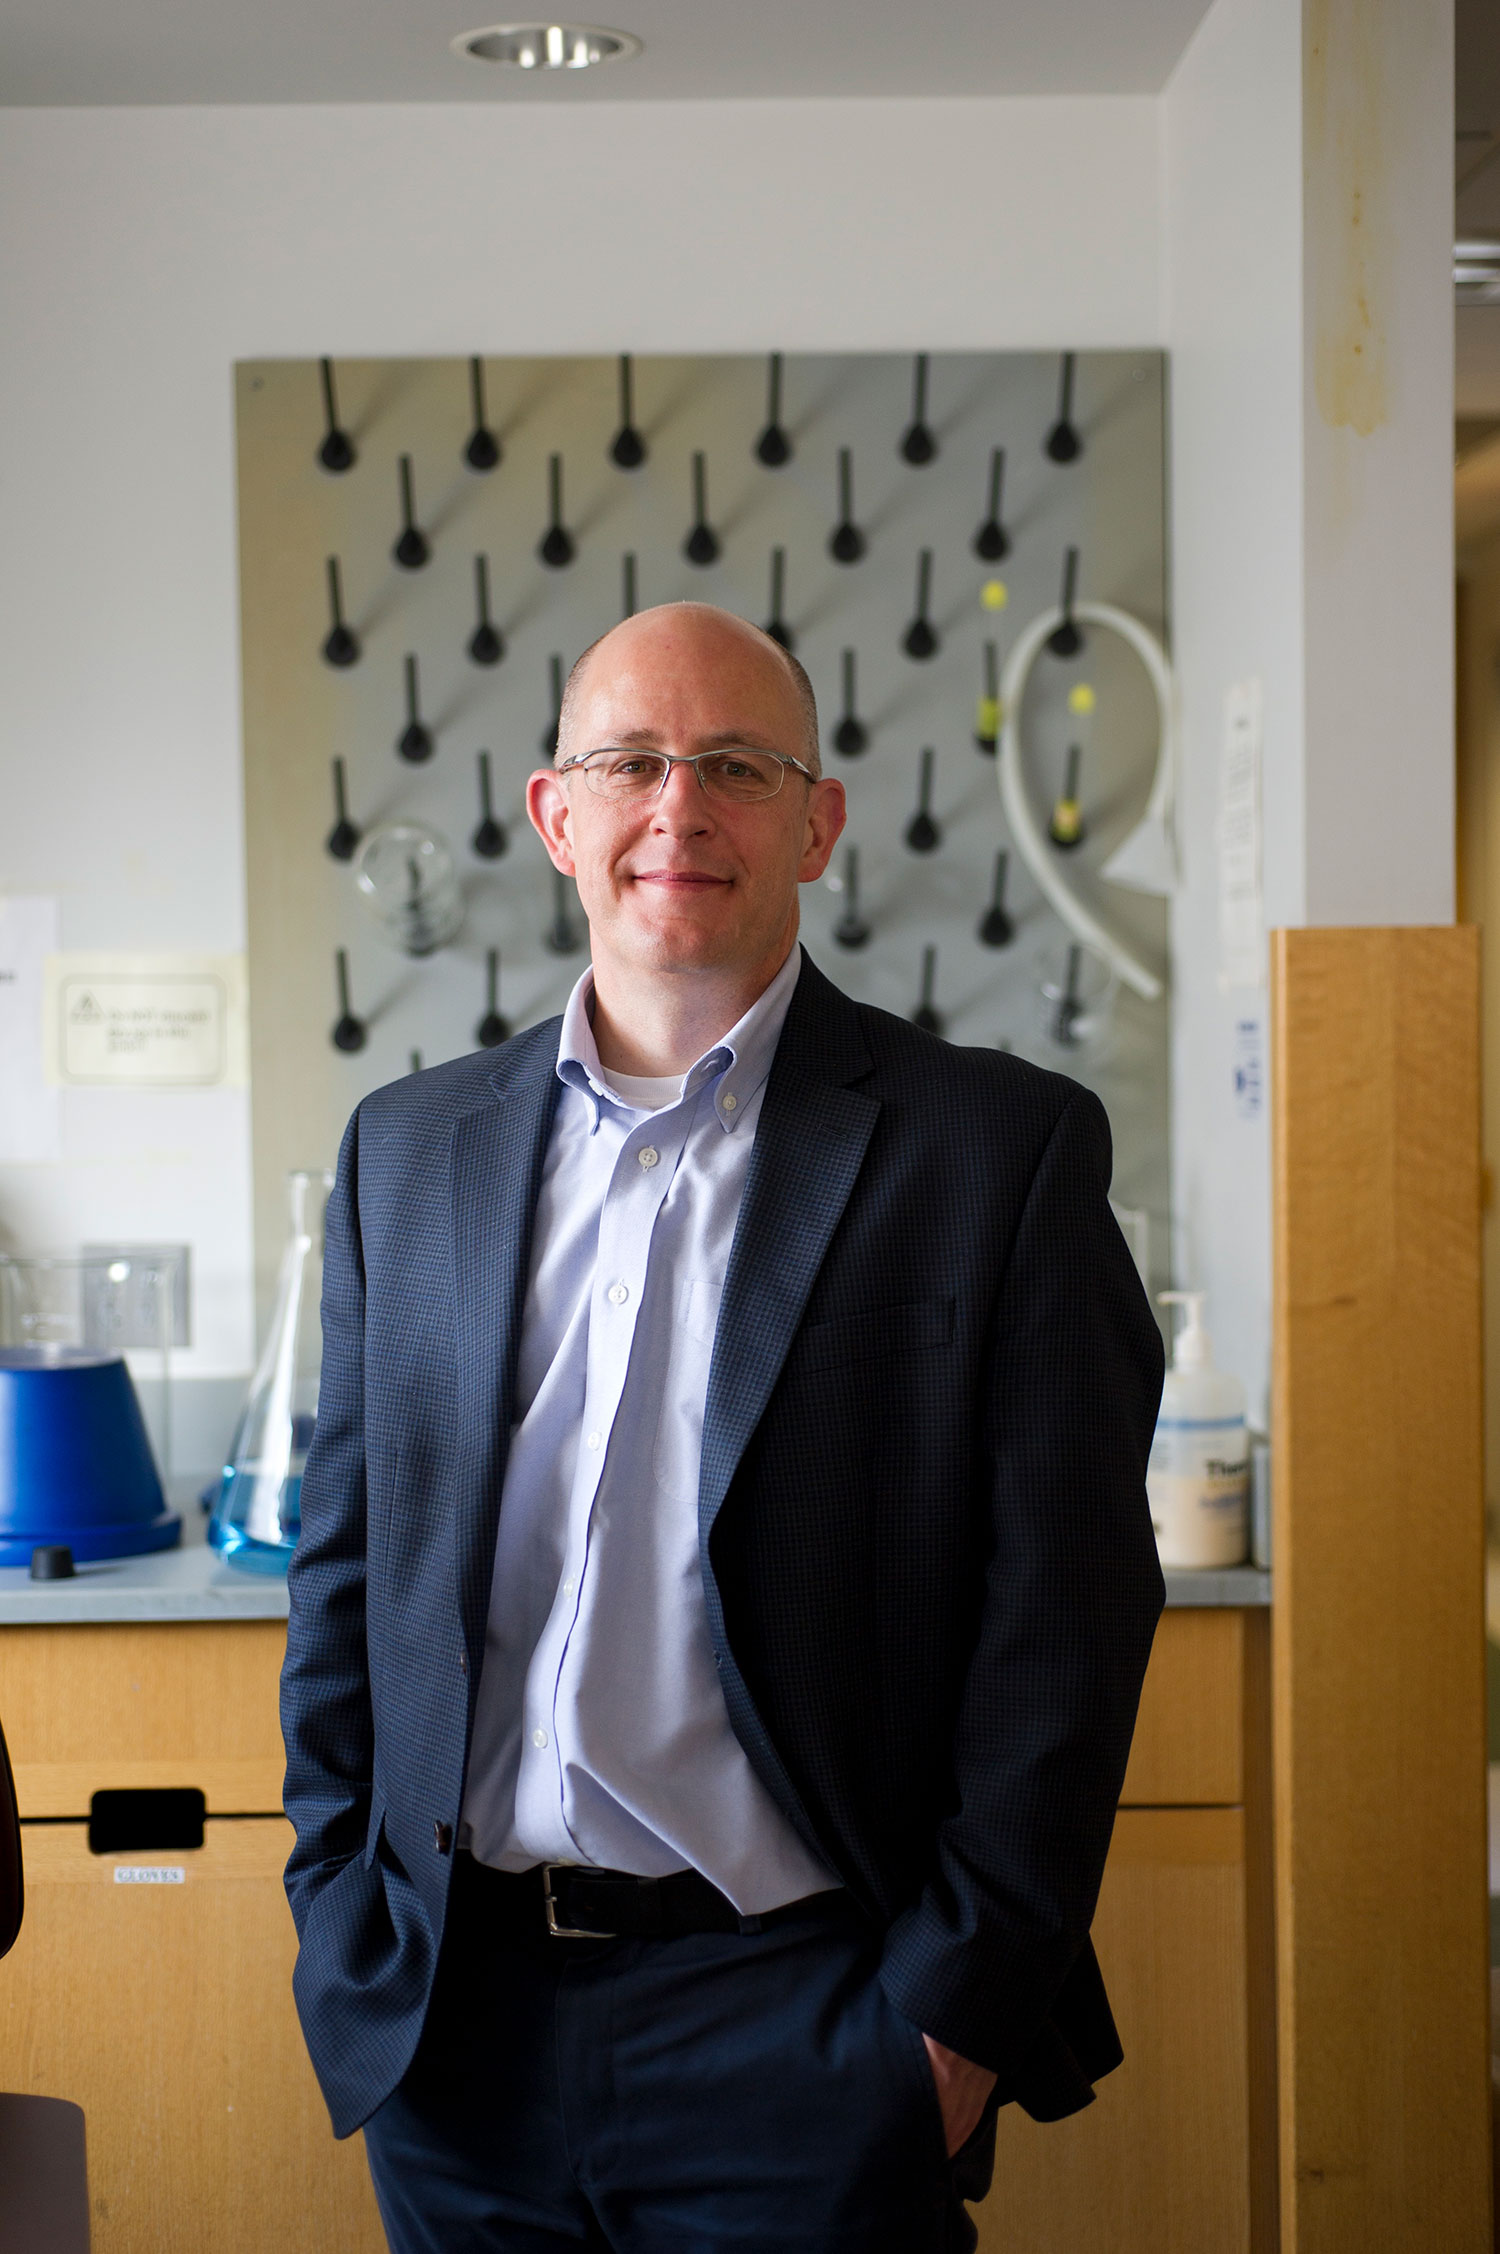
{"points": [[593, 1439], [729, 1102], [569, 1587], [619, 1293], [539, 1740], [648, 1157]]}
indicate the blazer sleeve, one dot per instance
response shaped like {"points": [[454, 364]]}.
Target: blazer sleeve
{"points": [[326, 1718], [1073, 1590]]}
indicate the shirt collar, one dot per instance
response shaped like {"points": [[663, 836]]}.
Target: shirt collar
{"points": [[739, 1062]]}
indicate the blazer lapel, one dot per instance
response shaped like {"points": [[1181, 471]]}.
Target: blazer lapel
{"points": [[810, 1143], [496, 1167]]}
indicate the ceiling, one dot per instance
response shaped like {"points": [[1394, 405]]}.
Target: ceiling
{"points": [[142, 51]]}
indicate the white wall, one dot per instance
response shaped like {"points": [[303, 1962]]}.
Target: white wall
{"points": [[1307, 221], [1232, 216], [142, 252]]}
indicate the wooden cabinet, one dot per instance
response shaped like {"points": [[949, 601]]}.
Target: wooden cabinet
{"points": [[165, 2009], [1177, 2153]]}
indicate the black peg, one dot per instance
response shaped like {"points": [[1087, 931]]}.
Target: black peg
{"points": [[556, 547], [702, 543], [350, 1033], [776, 625], [987, 711], [1065, 639], [918, 446], [851, 930], [846, 543], [416, 1060], [341, 643], [343, 838], [555, 680], [411, 550], [851, 736], [337, 452], [992, 541], [1069, 1009], [628, 448], [1062, 443], [486, 643], [415, 740], [773, 447], [483, 449], [1066, 828], [996, 928], [562, 936], [922, 832], [492, 1028], [926, 1016], [627, 585], [489, 839], [921, 638]]}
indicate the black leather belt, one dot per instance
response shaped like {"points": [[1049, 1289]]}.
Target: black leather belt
{"points": [[574, 1903]]}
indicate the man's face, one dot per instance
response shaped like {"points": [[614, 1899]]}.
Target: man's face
{"points": [[683, 881]]}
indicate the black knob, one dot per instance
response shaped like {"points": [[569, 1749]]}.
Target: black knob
{"points": [[337, 452], [483, 449], [411, 551]]}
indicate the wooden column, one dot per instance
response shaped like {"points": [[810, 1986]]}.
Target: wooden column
{"points": [[1378, 1621]]}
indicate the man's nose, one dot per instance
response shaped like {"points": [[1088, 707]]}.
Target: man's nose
{"points": [[682, 804]]}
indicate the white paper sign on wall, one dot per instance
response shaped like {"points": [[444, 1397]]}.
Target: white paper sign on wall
{"points": [[145, 1021]]}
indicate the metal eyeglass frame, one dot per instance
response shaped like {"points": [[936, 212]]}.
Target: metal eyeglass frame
{"points": [[580, 762]]}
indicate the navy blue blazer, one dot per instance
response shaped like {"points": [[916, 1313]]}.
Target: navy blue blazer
{"points": [[931, 1577]]}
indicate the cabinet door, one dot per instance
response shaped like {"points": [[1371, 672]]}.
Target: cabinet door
{"points": [[165, 2011], [1159, 2163]]}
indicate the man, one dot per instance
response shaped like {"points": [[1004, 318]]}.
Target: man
{"points": [[725, 1578]]}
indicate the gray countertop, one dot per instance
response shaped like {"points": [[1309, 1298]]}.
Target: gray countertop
{"points": [[190, 1583]]}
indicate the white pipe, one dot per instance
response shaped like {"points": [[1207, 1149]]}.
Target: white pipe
{"points": [[1030, 840]]}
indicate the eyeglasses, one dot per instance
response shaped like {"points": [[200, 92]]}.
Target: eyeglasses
{"points": [[736, 776]]}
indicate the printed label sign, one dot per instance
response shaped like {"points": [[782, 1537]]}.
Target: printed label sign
{"points": [[150, 1874], [142, 1022]]}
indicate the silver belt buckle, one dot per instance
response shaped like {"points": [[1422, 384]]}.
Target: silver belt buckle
{"points": [[566, 1932]]}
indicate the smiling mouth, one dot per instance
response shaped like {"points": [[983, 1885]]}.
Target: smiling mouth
{"points": [[685, 879]]}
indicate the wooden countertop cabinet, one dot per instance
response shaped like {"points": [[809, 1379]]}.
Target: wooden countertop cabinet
{"points": [[165, 2010]]}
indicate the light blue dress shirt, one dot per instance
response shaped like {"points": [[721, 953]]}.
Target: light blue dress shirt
{"points": [[601, 1735]]}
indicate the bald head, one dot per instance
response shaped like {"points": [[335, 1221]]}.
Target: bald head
{"points": [[673, 637]]}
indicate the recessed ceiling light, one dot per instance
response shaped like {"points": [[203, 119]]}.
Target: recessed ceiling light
{"points": [[546, 46]]}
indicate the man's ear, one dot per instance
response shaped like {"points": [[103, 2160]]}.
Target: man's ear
{"points": [[827, 812], [551, 817]]}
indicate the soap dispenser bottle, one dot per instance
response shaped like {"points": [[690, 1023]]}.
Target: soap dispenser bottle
{"points": [[1198, 1477]]}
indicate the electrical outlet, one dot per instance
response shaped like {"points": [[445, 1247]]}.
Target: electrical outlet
{"points": [[122, 1294]]}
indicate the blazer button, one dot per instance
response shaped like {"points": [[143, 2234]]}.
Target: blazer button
{"points": [[442, 1837]]}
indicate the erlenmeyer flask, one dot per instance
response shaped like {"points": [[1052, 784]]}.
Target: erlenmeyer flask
{"points": [[258, 1514]]}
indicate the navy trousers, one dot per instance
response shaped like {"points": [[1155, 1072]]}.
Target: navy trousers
{"points": [[712, 2094]]}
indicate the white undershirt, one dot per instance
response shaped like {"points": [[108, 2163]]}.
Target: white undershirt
{"points": [[643, 1095]]}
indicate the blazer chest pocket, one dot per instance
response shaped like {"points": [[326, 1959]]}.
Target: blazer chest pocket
{"points": [[876, 1334]]}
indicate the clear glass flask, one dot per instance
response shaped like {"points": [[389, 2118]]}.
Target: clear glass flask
{"points": [[257, 1515]]}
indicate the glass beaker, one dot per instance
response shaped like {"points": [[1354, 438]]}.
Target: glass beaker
{"points": [[406, 878], [105, 1302], [258, 1512]]}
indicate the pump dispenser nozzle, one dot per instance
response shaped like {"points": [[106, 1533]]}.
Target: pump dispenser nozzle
{"points": [[1193, 1349]]}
